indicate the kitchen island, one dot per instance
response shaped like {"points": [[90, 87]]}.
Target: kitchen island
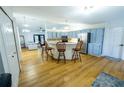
{"points": [[68, 52]]}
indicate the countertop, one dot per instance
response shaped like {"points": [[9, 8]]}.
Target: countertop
{"points": [[67, 43]]}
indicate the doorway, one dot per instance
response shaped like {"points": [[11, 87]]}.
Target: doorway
{"points": [[22, 41], [114, 43], [8, 47]]}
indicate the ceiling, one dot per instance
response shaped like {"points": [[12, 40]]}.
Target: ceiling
{"points": [[61, 16]]}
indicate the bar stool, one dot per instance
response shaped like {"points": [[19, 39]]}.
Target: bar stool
{"points": [[47, 49], [61, 47], [76, 51]]}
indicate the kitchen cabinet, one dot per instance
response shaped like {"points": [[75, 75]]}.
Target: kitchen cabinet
{"points": [[96, 42], [49, 35], [96, 38], [94, 49]]}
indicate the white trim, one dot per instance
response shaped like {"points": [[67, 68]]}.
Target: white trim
{"points": [[3, 54]]}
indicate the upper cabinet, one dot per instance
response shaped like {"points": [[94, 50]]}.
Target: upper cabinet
{"points": [[93, 36], [99, 36], [49, 34], [96, 35], [52, 35], [96, 39]]}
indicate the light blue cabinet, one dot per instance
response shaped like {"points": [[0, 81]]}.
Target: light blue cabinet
{"points": [[69, 34], [96, 42], [93, 37], [73, 34], [94, 49], [90, 48], [58, 35], [49, 35], [100, 35], [54, 34], [96, 39]]}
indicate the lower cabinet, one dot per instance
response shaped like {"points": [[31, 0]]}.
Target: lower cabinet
{"points": [[94, 49], [96, 42]]}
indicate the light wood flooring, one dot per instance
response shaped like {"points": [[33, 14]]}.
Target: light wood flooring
{"points": [[36, 71]]}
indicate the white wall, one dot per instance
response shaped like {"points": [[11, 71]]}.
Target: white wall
{"points": [[107, 46], [84, 26], [10, 64], [29, 36], [116, 23], [9, 11], [17, 36]]}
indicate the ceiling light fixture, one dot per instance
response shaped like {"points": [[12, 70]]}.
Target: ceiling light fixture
{"points": [[54, 28], [26, 25], [26, 30], [66, 28], [88, 9]]}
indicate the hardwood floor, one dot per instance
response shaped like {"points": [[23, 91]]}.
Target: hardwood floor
{"points": [[37, 71]]}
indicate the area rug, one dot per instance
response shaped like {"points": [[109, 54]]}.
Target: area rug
{"points": [[113, 59], [106, 80]]}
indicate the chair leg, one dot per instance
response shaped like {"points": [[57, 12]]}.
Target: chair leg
{"points": [[80, 57], [47, 53], [64, 57], [51, 53], [58, 57], [42, 53], [73, 55], [42, 50], [76, 55]]}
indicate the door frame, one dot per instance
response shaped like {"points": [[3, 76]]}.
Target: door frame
{"points": [[13, 34], [24, 40], [122, 47]]}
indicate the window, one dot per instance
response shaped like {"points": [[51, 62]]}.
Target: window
{"points": [[39, 38]]}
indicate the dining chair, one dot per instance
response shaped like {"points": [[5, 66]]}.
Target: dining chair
{"points": [[61, 47], [76, 51], [46, 48]]}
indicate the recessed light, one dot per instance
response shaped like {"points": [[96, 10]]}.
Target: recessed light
{"points": [[88, 9], [26, 25], [54, 28], [66, 27], [26, 30]]}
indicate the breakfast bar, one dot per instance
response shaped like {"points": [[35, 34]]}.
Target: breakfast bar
{"points": [[68, 52]]}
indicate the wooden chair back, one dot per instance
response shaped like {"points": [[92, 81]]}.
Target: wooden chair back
{"points": [[46, 44], [79, 45], [61, 46]]}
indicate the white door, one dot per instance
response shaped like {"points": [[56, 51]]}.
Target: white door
{"points": [[116, 45], [10, 47], [22, 41], [122, 47]]}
